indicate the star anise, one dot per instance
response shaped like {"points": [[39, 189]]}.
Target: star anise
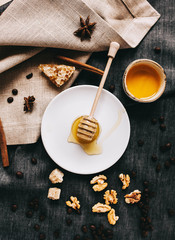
{"points": [[86, 29], [28, 105]]}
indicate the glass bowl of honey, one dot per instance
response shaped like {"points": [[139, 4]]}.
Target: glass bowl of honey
{"points": [[144, 80]]}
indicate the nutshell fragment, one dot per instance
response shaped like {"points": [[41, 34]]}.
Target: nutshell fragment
{"points": [[99, 182], [56, 176], [112, 218], [75, 204], [110, 197], [101, 208], [125, 180], [133, 197]]}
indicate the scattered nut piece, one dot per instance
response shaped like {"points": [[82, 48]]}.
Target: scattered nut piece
{"points": [[101, 208], [99, 187], [125, 180], [133, 197], [56, 176], [112, 218], [101, 184], [98, 179], [54, 193], [75, 203], [110, 197]]}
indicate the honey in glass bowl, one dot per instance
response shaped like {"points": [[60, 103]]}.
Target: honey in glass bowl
{"points": [[144, 80]]}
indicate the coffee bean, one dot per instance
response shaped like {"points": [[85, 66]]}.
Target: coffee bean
{"points": [[109, 232], [168, 146], [167, 164], [161, 119], [99, 232], [42, 217], [112, 88], [15, 92], [14, 207], [36, 207], [31, 204], [93, 233], [154, 158], [19, 174], [146, 190], [36, 227], [133, 174], [148, 219], [69, 210], [151, 227], [140, 204], [103, 237], [157, 49], [144, 212], [146, 200], [86, 238], [92, 227], [10, 99], [84, 229], [42, 236], [154, 120], [30, 75], [77, 237], [162, 127], [56, 233], [146, 207], [171, 212], [172, 160], [158, 167], [95, 237], [29, 214], [144, 233], [140, 143], [68, 221], [34, 161], [145, 183], [142, 219]]}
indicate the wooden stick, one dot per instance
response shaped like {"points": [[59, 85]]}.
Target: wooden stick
{"points": [[81, 65], [114, 47], [3, 147]]}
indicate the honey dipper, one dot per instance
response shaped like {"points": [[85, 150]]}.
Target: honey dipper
{"points": [[88, 124]]}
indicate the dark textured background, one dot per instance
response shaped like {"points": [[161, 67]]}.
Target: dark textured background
{"points": [[15, 225]]}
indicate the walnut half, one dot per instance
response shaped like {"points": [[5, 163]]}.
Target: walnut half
{"points": [[110, 197], [75, 204], [112, 218], [125, 180], [56, 176], [101, 208], [133, 197], [100, 183]]}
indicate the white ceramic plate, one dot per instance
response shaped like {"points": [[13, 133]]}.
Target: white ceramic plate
{"points": [[61, 113]]}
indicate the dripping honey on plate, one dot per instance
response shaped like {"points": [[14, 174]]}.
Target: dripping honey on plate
{"points": [[91, 148]]}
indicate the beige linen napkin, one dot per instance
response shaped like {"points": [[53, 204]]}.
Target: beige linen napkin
{"points": [[29, 26]]}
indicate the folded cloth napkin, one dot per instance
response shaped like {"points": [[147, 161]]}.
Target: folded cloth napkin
{"points": [[28, 27]]}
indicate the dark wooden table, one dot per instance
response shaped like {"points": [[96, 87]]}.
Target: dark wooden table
{"points": [[35, 183]]}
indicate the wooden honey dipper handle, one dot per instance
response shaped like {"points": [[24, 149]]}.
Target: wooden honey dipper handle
{"points": [[114, 47]]}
